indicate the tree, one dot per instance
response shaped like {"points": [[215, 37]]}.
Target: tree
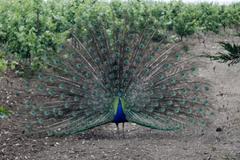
{"points": [[185, 22]]}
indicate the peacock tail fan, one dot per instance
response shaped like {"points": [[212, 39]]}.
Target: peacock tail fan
{"points": [[104, 63]]}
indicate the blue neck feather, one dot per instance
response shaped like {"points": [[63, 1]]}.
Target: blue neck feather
{"points": [[119, 116]]}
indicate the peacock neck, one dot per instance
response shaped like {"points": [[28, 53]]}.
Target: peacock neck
{"points": [[119, 113]]}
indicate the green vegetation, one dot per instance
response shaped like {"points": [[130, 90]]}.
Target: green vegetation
{"points": [[3, 63], [30, 30], [4, 112], [231, 57]]}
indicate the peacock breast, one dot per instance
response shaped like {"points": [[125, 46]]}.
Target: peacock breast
{"points": [[119, 108]]}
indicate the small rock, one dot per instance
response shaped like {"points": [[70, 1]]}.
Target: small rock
{"points": [[214, 148], [65, 156], [71, 152], [83, 142], [219, 129]]}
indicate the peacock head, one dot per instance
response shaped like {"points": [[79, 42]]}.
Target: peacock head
{"points": [[119, 94]]}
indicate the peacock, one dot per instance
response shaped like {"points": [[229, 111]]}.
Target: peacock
{"points": [[110, 72]]}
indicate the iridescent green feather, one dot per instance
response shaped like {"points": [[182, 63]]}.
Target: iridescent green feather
{"points": [[103, 63]]}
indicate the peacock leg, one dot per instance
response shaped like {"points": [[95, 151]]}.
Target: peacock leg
{"points": [[123, 130], [117, 129]]}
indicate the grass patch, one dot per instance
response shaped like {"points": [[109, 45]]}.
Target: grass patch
{"points": [[4, 113]]}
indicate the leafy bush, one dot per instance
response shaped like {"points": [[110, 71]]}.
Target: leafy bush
{"points": [[28, 30], [184, 23], [208, 17], [33, 29]]}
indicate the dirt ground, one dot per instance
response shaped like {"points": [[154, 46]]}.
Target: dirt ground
{"points": [[220, 141]]}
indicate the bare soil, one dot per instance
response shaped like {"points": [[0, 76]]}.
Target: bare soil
{"points": [[219, 141]]}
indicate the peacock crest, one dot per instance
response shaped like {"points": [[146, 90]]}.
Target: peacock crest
{"points": [[112, 73]]}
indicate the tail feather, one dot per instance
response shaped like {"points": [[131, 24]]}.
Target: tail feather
{"points": [[151, 122], [103, 60]]}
